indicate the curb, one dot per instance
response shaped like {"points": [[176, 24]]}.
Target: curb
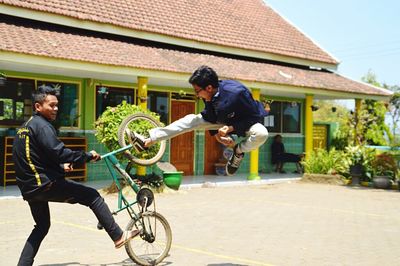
{"points": [[208, 184], [238, 183], [370, 184]]}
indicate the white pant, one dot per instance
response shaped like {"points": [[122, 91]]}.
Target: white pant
{"points": [[255, 137]]}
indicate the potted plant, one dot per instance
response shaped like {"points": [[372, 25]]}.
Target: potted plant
{"points": [[354, 154], [359, 158], [384, 169]]}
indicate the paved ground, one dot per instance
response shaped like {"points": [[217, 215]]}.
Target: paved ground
{"points": [[281, 224]]}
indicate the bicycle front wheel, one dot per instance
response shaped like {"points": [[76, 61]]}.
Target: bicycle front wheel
{"points": [[154, 241], [141, 124]]}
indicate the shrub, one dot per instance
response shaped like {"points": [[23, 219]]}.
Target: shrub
{"points": [[108, 123], [384, 164], [321, 161]]}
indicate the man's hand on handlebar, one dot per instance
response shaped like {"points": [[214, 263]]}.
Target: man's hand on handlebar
{"points": [[95, 156], [68, 167]]}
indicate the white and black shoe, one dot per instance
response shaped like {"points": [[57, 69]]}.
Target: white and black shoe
{"points": [[234, 162], [137, 141]]}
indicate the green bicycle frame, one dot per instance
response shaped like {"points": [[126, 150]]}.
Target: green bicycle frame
{"points": [[115, 169]]}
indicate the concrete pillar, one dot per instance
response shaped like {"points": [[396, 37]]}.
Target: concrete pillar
{"points": [[255, 153], [142, 92], [308, 125], [356, 116], [142, 103], [88, 101]]}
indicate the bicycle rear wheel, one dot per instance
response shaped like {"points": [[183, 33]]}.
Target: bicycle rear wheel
{"points": [[140, 124], [154, 241]]}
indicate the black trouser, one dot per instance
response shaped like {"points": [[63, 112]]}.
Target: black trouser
{"points": [[69, 192]]}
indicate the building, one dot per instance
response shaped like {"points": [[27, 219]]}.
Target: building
{"points": [[144, 52]]}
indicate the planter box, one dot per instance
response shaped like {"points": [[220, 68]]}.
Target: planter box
{"points": [[382, 182], [324, 179], [356, 170]]}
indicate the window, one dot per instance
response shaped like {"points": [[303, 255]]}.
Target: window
{"points": [[16, 101], [67, 95], [109, 96], [291, 117], [158, 102], [284, 117]]}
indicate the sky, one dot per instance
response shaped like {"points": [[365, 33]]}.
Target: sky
{"points": [[362, 35]]}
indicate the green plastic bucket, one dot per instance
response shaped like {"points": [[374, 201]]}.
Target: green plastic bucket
{"points": [[172, 179]]}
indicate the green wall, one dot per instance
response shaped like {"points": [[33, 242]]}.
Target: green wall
{"points": [[99, 171]]}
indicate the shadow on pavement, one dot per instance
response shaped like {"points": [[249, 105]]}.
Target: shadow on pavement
{"points": [[126, 262], [226, 264], [377, 190]]}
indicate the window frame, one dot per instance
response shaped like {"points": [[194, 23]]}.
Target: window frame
{"points": [[79, 96], [116, 88], [168, 107], [14, 122], [281, 117]]}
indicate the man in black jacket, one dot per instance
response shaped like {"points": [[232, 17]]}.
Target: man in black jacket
{"points": [[41, 161]]}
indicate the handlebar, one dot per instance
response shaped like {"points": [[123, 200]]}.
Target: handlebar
{"points": [[116, 151]]}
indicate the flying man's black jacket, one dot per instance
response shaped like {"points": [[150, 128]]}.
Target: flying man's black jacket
{"points": [[39, 155]]}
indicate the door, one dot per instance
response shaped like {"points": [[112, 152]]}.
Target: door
{"points": [[213, 154], [320, 136], [182, 146]]}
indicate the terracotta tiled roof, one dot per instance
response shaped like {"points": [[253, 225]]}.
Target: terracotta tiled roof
{"points": [[247, 24], [86, 48]]}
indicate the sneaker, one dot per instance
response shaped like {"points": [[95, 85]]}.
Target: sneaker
{"points": [[137, 141], [234, 162]]}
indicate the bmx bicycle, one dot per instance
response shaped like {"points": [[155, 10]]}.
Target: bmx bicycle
{"points": [[153, 243]]}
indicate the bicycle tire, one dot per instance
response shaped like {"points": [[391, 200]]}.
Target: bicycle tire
{"points": [[141, 250], [132, 122]]}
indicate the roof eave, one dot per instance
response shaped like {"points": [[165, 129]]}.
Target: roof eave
{"points": [[82, 69], [151, 36]]}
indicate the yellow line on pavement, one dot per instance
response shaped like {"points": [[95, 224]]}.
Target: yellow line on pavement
{"points": [[76, 226], [212, 254], [194, 250], [8, 222], [375, 215]]}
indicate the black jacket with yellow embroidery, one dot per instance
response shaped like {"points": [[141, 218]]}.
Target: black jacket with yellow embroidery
{"points": [[39, 155]]}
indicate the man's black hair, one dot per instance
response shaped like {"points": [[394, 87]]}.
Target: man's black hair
{"points": [[41, 94], [204, 76]]}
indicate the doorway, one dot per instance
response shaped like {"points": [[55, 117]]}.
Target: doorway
{"points": [[182, 146]]}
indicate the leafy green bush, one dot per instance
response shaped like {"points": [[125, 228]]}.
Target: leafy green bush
{"points": [[384, 164], [108, 123], [322, 161], [360, 155]]}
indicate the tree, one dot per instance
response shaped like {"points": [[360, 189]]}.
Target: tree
{"points": [[334, 112], [371, 78], [368, 125], [330, 111], [394, 111], [371, 120]]}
